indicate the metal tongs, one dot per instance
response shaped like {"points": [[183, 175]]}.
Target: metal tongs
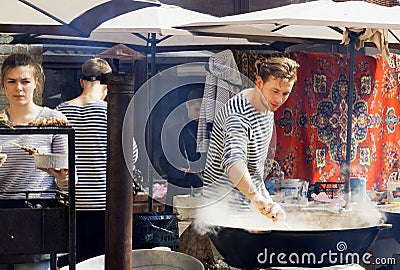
{"points": [[16, 144]]}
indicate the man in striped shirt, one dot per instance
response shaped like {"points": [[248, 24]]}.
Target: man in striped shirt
{"points": [[88, 115], [240, 138]]}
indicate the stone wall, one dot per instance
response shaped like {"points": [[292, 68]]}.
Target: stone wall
{"points": [[37, 53]]}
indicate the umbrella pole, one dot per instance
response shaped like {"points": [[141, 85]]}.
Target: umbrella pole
{"points": [[153, 43], [153, 54], [349, 118]]}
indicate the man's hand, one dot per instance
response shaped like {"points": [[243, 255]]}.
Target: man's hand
{"points": [[240, 177], [268, 208]]}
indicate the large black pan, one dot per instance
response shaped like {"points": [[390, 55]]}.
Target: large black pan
{"points": [[314, 248], [393, 217]]}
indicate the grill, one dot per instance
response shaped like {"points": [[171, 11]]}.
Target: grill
{"points": [[33, 226], [44, 225]]}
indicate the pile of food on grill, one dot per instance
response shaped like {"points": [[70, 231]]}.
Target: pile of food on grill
{"points": [[41, 122], [49, 122]]}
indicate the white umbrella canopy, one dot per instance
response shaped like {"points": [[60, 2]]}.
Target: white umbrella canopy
{"points": [[158, 19], [323, 19], [62, 17], [133, 28], [163, 19], [359, 14]]}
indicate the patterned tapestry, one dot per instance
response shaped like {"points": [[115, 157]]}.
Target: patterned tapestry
{"points": [[312, 124]]}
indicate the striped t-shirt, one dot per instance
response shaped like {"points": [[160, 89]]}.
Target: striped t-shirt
{"points": [[240, 133], [19, 172], [90, 124]]}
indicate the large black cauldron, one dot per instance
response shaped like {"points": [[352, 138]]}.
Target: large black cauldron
{"points": [[392, 217], [314, 248]]}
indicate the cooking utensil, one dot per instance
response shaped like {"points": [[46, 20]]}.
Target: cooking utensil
{"points": [[308, 248], [29, 150], [16, 144]]}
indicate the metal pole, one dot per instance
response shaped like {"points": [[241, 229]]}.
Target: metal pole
{"points": [[118, 244], [153, 44], [72, 195], [153, 54], [349, 121]]}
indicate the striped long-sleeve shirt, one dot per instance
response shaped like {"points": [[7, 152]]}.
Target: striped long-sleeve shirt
{"points": [[19, 173], [240, 134], [90, 124]]}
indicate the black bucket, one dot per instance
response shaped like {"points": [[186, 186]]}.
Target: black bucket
{"points": [[152, 229]]}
